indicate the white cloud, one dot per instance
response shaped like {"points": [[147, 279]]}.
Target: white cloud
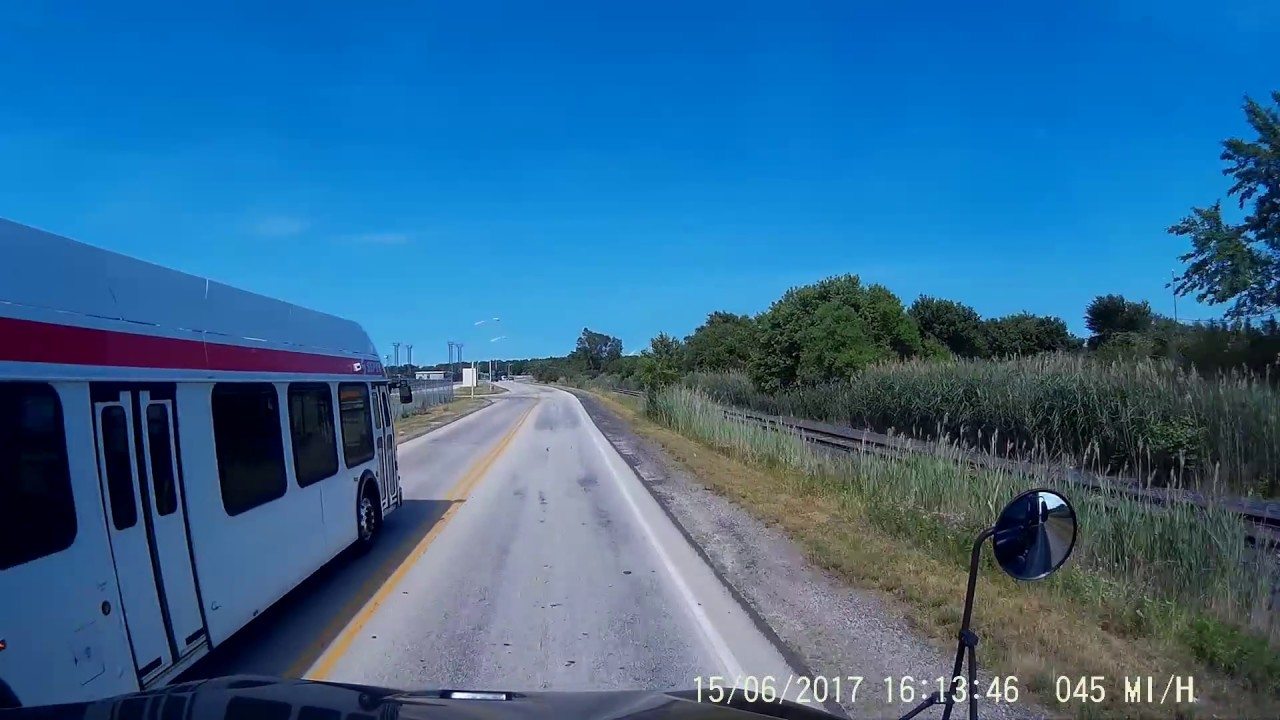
{"points": [[281, 226], [381, 238]]}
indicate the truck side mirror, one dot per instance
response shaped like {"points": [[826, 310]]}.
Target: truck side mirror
{"points": [[406, 392], [1035, 535]]}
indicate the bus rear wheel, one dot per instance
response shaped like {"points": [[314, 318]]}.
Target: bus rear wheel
{"points": [[368, 522]]}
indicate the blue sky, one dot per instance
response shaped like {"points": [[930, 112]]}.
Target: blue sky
{"points": [[628, 166]]}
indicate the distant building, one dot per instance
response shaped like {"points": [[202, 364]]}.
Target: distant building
{"points": [[429, 375]]}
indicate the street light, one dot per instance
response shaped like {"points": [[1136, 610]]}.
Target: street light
{"points": [[480, 322], [493, 340]]}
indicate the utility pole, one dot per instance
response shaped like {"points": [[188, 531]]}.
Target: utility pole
{"points": [[1173, 275]]}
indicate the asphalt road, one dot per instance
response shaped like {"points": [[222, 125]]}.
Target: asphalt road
{"points": [[527, 556]]}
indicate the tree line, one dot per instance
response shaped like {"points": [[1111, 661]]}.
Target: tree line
{"points": [[831, 329]]}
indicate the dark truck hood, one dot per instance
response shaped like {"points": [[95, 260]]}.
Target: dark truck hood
{"points": [[245, 697]]}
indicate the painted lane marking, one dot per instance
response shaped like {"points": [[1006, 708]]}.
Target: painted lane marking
{"points": [[325, 664], [711, 636]]}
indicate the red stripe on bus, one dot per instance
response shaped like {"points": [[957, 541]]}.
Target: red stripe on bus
{"points": [[32, 341]]}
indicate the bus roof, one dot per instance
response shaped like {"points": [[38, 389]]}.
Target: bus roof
{"points": [[111, 299]]}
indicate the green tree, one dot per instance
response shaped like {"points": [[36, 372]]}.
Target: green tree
{"points": [[661, 363], [955, 325], [1125, 345], [1110, 315], [1027, 334], [1240, 263], [724, 342], [624, 367], [595, 350], [550, 370], [834, 344], [827, 330]]}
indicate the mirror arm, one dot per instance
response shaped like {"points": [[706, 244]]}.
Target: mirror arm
{"points": [[974, 559], [971, 642], [967, 638], [934, 699]]}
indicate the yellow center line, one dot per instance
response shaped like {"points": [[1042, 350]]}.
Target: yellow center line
{"points": [[324, 665]]}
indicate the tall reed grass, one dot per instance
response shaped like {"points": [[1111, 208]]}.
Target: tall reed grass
{"points": [[1179, 571], [1147, 419]]}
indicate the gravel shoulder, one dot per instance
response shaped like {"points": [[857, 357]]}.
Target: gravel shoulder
{"points": [[823, 626]]}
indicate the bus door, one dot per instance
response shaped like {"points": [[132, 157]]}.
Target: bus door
{"points": [[384, 429], [142, 490]]}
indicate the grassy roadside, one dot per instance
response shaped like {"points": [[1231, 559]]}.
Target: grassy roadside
{"points": [[437, 416], [1075, 625], [483, 388], [1141, 419]]}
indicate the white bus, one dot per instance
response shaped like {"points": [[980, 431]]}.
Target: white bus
{"points": [[175, 456]]}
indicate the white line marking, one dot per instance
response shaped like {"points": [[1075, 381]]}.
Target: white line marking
{"points": [[715, 642]]}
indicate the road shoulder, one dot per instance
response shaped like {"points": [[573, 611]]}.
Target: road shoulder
{"points": [[821, 624]]}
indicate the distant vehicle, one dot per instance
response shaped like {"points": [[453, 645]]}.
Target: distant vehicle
{"points": [[175, 456]]}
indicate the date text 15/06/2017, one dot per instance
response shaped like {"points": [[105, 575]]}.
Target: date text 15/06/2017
{"points": [[849, 689]]}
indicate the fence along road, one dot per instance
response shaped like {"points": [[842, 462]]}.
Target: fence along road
{"points": [[426, 394]]}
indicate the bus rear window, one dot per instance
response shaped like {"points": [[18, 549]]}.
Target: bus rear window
{"points": [[357, 431], [250, 448], [37, 513]]}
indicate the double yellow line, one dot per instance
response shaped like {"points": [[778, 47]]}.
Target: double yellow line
{"points": [[324, 665]]}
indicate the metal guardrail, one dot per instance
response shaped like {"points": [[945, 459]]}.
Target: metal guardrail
{"points": [[1265, 515]]}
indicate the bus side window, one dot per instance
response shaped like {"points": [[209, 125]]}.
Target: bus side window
{"points": [[248, 443], [357, 432], [315, 451], [377, 409], [37, 512]]}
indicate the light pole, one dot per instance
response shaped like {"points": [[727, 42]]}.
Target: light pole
{"points": [[478, 323], [493, 340], [460, 345]]}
